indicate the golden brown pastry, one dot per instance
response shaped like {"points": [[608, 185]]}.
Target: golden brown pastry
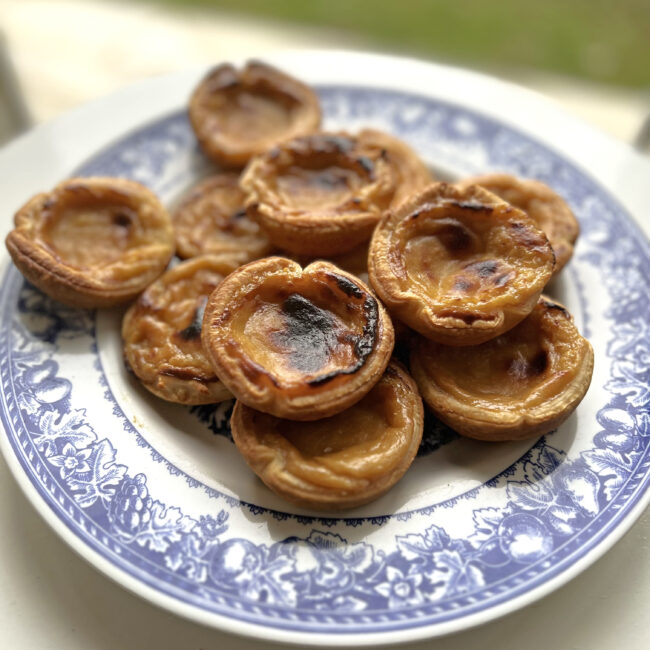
{"points": [[237, 114], [301, 344], [342, 461], [211, 219], [546, 208], [411, 174], [162, 333], [321, 194], [460, 266], [92, 242], [519, 385]]}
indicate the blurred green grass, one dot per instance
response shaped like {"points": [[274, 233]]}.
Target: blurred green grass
{"points": [[598, 40]]}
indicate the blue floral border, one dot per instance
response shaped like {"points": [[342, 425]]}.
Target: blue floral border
{"points": [[557, 510]]}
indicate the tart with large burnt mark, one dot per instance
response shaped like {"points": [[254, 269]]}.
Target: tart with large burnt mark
{"points": [[321, 194], [544, 206], [297, 343], [460, 266], [211, 219], [237, 114], [162, 333], [92, 242], [342, 461], [522, 384]]}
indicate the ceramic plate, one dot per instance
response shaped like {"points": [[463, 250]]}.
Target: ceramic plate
{"points": [[156, 496]]}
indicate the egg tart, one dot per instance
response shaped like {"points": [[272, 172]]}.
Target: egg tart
{"points": [[546, 208], [342, 461], [320, 194], [297, 343], [460, 266], [522, 384], [411, 174], [162, 333], [92, 242], [237, 114], [211, 219]]}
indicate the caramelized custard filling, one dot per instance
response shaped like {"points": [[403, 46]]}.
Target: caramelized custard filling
{"points": [[362, 444], [303, 333], [456, 250], [529, 364], [249, 114], [318, 189], [91, 236]]}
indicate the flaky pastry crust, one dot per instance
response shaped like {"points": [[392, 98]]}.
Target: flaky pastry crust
{"points": [[92, 242], [237, 114], [301, 344], [460, 266], [342, 461], [522, 384]]}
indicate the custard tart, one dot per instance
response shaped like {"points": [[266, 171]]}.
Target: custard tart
{"points": [[237, 114], [211, 219], [342, 461], [522, 384], [545, 207], [460, 266], [320, 194], [297, 343], [92, 242], [162, 333]]}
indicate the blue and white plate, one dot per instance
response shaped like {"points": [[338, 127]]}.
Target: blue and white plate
{"points": [[156, 495]]}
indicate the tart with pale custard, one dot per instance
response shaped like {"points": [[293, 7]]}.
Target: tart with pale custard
{"points": [[297, 343], [522, 384], [237, 114], [211, 219], [460, 266], [321, 194], [162, 333], [92, 242], [544, 206], [342, 461]]}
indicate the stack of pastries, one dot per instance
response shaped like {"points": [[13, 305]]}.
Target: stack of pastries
{"points": [[305, 256]]}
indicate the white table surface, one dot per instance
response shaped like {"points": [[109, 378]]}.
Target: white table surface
{"points": [[51, 598]]}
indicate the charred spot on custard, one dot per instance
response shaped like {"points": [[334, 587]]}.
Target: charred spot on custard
{"points": [[522, 368], [121, 219], [455, 237], [312, 335], [309, 335], [193, 330]]}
